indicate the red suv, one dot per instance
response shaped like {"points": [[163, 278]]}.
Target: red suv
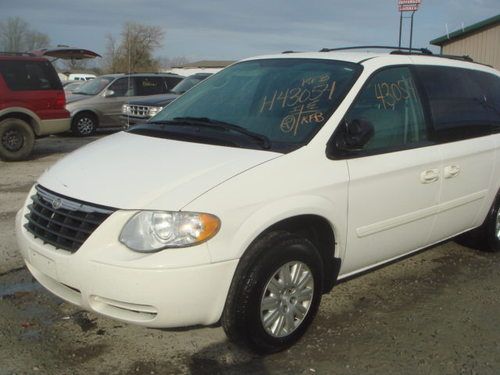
{"points": [[32, 103]]}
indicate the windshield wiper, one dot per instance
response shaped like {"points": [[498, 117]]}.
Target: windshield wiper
{"points": [[205, 121]]}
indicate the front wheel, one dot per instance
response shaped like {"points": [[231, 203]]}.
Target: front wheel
{"points": [[16, 139], [275, 294]]}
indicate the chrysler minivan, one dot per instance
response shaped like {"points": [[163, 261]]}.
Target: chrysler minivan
{"points": [[250, 196]]}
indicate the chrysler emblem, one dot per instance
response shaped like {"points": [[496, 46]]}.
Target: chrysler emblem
{"points": [[56, 203]]}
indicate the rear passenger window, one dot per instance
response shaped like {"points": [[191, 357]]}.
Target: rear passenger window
{"points": [[389, 101], [29, 75], [463, 103], [150, 86]]}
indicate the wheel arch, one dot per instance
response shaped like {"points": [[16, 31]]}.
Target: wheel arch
{"points": [[23, 114], [320, 232], [85, 110]]}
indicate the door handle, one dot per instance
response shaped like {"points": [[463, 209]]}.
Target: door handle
{"points": [[429, 176], [451, 171]]}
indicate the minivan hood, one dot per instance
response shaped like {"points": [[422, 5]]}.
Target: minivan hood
{"points": [[130, 171]]}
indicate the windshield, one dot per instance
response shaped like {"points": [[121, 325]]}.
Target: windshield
{"points": [[94, 86], [285, 101], [186, 84]]}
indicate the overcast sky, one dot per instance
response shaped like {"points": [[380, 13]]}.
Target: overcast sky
{"points": [[234, 29]]}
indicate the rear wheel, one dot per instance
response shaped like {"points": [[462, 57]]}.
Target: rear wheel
{"points": [[275, 293], [16, 139], [84, 124], [487, 236]]}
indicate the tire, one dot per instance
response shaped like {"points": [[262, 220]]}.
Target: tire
{"points": [[256, 315], [84, 124], [487, 236], [16, 139]]}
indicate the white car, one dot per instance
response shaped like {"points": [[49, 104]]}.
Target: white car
{"points": [[247, 198]]}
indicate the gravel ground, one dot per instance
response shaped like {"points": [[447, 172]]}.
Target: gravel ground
{"points": [[437, 312]]}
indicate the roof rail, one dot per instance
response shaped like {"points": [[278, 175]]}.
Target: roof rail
{"points": [[16, 53], [404, 51], [423, 51]]}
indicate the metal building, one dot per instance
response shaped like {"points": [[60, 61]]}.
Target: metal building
{"points": [[481, 41]]}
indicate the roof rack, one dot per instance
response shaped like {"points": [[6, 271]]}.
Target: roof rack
{"points": [[16, 53], [423, 51], [403, 51]]}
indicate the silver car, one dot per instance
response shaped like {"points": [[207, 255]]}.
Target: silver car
{"points": [[98, 103]]}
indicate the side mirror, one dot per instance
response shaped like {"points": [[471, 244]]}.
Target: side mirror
{"points": [[108, 93], [354, 135]]}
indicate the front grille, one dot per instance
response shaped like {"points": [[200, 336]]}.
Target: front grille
{"points": [[139, 110], [63, 222]]}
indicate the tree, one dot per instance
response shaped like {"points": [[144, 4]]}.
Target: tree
{"points": [[17, 36], [135, 51]]}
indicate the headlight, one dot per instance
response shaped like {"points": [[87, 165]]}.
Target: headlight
{"points": [[153, 111], [125, 109], [149, 231]]}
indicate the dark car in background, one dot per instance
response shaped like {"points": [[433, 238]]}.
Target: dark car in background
{"points": [[141, 110], [98, 103]]}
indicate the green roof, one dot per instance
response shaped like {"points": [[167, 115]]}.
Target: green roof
{"points": [[467, 30]]}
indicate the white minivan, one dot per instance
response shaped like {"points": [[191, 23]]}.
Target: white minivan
{"points": [[251, 195]]}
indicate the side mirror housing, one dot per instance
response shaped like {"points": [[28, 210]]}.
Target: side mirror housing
{"points": [[108, 93], [352, 136]]}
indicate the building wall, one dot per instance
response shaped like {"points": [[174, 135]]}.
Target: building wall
{"points": [[483, 46]]}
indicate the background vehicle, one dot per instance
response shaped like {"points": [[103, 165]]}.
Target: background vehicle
{"points": [[98, 103], [70, 86], [31, 104], [81, 77], [141, 110]]}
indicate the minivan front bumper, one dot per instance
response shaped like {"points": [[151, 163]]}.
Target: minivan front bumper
{"points": [[145, 291]]}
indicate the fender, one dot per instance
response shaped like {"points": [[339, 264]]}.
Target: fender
{"points": [[35, 123], [265, 216]]}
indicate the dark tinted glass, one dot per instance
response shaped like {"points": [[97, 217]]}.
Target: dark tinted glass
{"points": [[171, 82], [150, 86], [463, 103], [122, 87], [29, 75]]}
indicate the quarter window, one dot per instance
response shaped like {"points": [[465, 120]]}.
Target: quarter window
{"points": [[463, 103], [150, 86], [29, 75], [390, 102]]}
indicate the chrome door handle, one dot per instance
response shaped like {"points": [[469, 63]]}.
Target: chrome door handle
{"points": [[429, 176], [451, 171]]}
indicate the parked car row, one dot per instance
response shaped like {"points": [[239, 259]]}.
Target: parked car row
{"points": [[141, 110], [98, 103], [34, 102]]}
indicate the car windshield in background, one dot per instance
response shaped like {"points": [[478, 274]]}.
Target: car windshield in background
{"points": [[283, 101], [94, 86], [186, 84]]}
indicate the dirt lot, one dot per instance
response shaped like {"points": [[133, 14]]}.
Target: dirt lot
{"points": [[437, 312]]}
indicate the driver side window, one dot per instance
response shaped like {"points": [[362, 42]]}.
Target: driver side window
{"points": [[122, 87], [390, 102]]}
